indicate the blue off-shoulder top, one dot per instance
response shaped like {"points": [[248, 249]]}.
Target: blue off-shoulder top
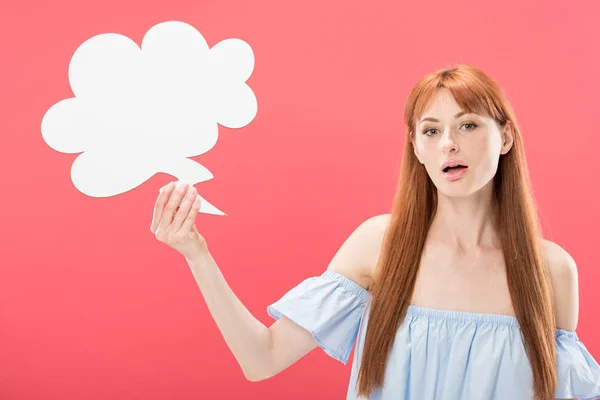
{"points": [[437, 354]]}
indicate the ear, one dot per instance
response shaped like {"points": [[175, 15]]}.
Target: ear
{"points": [[507, 137]]}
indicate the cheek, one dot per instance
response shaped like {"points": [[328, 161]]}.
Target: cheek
{"points": [[425, 148], [484, 146], [421, 151], [489, 153], [427, 154]]}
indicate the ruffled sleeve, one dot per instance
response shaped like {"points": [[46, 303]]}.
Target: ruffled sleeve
{"points": [[330, 307], [578, 372]]}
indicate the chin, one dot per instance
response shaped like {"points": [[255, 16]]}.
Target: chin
{"points": [[462, 188]]}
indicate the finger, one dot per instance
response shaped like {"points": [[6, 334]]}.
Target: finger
{"points": [[183, 210], [174, 201], [161, 200], [190, 219]]}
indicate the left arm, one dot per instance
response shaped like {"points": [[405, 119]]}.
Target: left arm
{"points": [[565, 285]]}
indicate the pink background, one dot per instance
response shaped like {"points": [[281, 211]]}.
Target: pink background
{"points": [[93, 307]]}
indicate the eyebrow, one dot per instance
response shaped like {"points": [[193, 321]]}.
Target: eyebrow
{"points": [[460, 114]]}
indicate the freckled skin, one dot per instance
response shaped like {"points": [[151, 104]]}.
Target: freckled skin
{"points": [[479, 145]]}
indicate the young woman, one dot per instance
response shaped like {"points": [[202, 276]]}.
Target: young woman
{"points": [[453, 295]]}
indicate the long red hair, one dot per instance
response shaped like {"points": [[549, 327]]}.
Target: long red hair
{"points": [[516, 221]]}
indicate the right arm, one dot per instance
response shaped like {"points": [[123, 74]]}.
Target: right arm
{"points": [[261, 351]]}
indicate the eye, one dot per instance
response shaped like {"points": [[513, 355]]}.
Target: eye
{"points": [[470, 123]]}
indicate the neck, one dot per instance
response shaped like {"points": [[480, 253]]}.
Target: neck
{"points": [[465, 223]]}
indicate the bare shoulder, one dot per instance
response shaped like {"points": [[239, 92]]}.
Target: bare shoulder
{"points": [[564, 278], [358, 254]]}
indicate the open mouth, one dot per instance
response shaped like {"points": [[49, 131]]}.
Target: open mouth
{"points": [[456, 167]]}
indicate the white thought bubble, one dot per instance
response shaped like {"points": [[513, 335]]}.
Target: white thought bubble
{"points": [[142, 110]]}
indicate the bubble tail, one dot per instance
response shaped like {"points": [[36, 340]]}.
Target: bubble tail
{"points": [[208, 208]]}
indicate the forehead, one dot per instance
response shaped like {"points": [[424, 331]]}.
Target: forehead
{"points": [[442, 101], [443, 105]]}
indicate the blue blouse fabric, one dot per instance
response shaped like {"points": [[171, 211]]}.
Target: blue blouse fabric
{"points": [[437, 354]]}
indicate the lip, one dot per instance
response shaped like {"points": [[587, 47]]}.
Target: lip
{"points": [[455, 175], [452, 163]]}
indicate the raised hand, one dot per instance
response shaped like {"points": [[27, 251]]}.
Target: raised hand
{"points": [[173, 221]]}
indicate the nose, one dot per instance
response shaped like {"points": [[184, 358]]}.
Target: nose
{"points": [[448, 142]]}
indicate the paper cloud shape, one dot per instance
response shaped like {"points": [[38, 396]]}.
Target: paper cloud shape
{"points": [[138, 111]]}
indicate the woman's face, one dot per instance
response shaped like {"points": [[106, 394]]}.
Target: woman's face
{"points": [[444, 134]]}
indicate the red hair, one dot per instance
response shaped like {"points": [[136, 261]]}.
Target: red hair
{"points": [[515, 220]]}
